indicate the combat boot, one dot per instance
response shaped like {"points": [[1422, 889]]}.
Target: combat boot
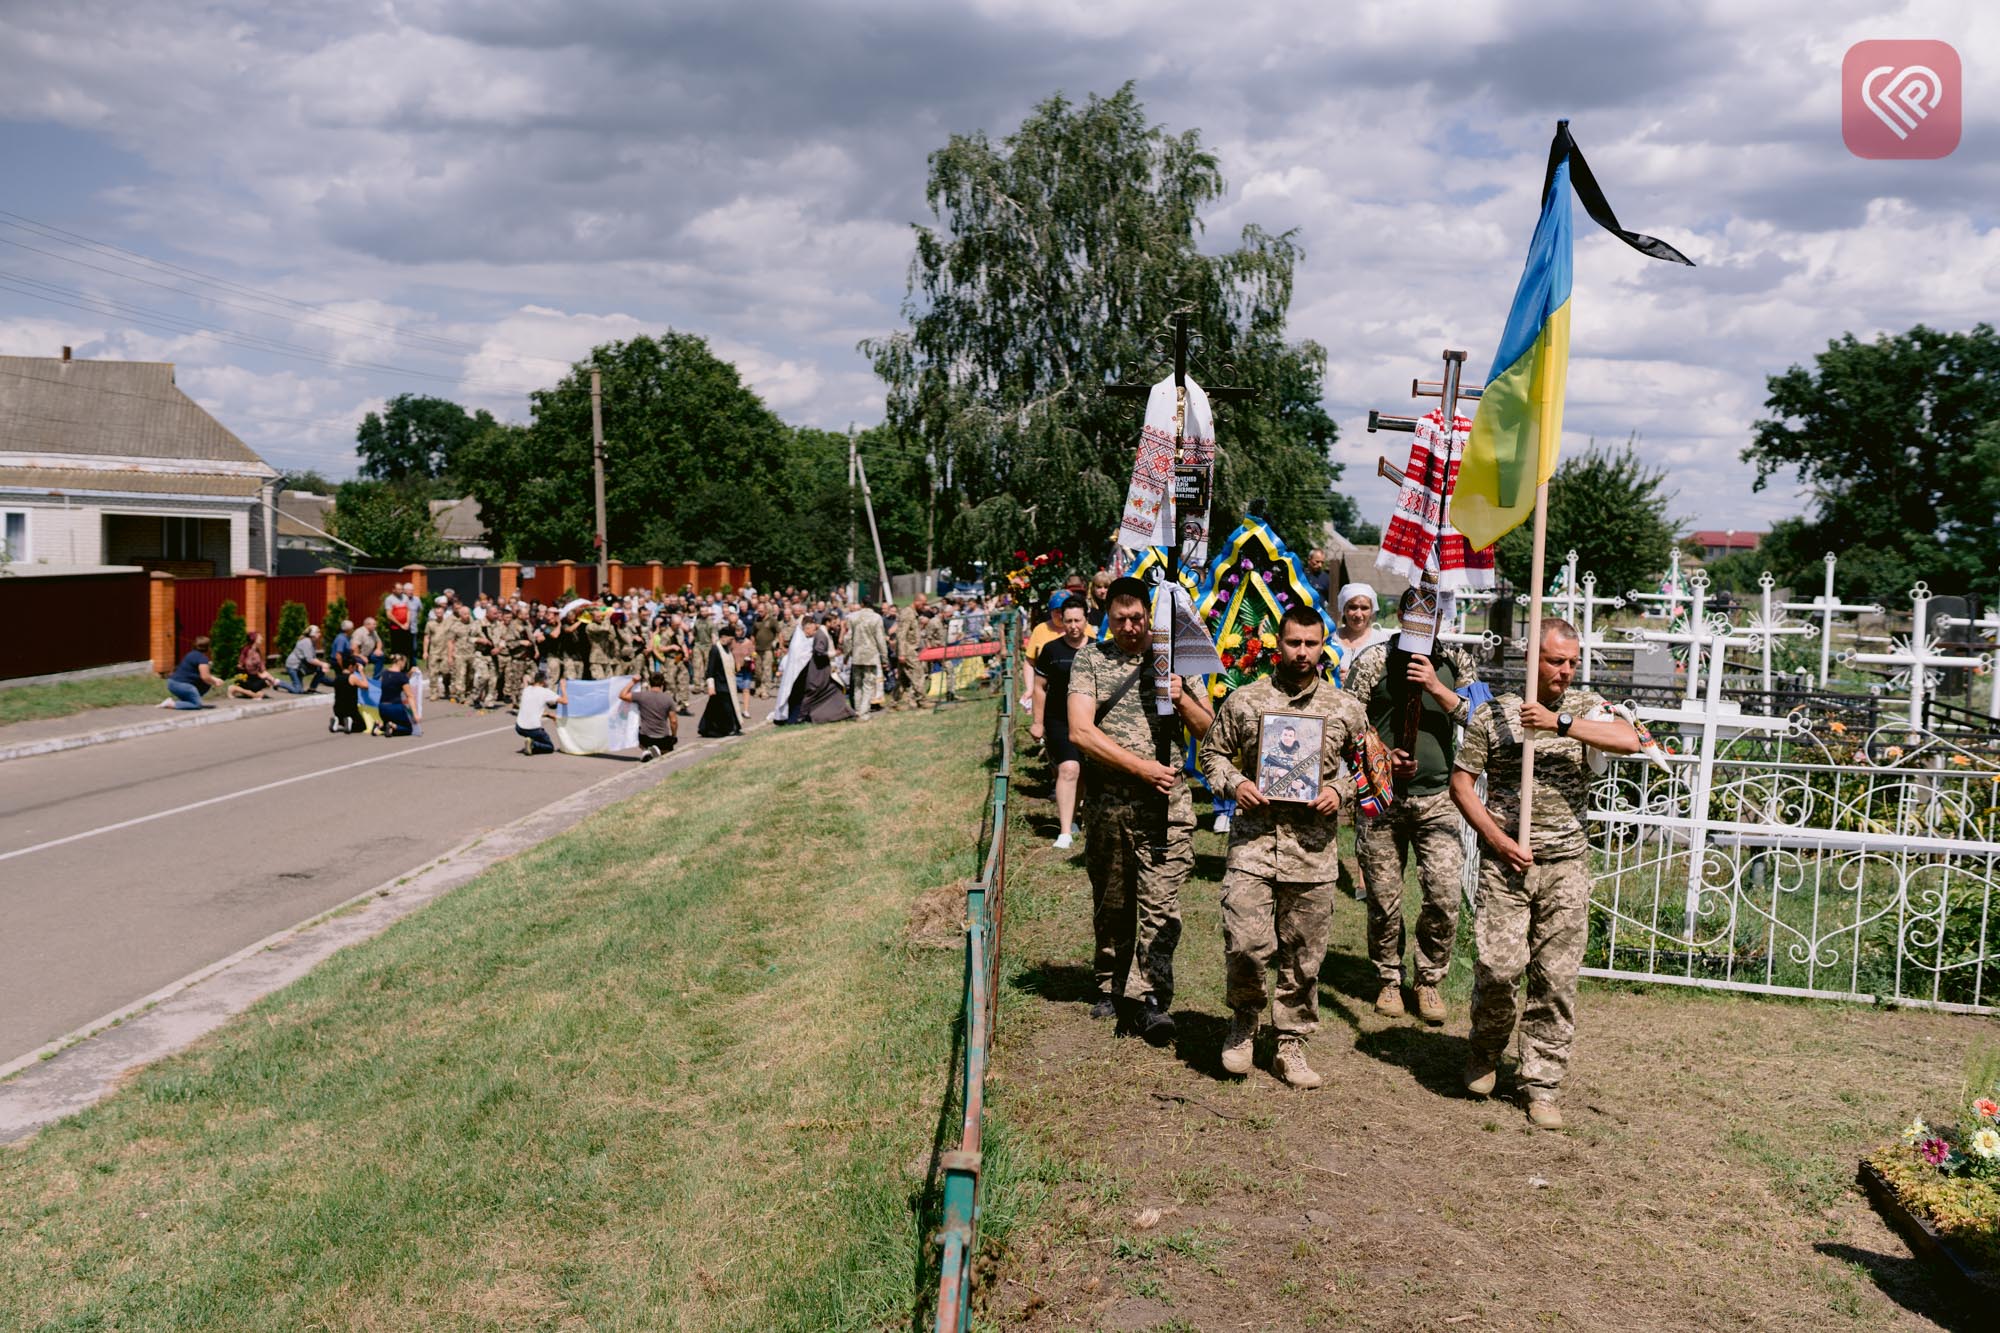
{"points": [[1238, 1046], [1291, 1066], [1153, 1023], [1389, 1003], [1543, 1113], [1430, 1005], [1481, 1074]]}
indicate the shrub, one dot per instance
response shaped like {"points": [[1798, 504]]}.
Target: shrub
{"points": [[292, 623], [226, 638]]}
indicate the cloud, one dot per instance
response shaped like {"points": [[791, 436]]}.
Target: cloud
{"points": [[510, 182]]}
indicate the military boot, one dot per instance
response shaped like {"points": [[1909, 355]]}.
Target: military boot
{"points": [[1291, 1065], [1238, 1046], [1430, 1005], [1482, 1072], [1543, 1113], [1389, 1003]]}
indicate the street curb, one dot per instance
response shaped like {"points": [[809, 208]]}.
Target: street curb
{"points": [[69, 1074], [233, 713]]}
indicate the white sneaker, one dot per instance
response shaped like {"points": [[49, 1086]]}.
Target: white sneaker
{"points": [[1064, 843]]}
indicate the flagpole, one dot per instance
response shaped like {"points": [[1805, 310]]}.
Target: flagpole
{"points": [[1531, 688]]}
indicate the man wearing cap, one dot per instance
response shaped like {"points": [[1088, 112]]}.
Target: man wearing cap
{"points": [[1139, 814]]}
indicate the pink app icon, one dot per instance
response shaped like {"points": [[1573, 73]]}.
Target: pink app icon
{"points": [[1901, 99]]}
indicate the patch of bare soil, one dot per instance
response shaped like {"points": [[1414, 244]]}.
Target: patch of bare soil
{"points": [[1705, 1180], [937, 918]]}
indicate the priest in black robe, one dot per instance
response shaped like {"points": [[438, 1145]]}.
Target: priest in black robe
{"points": [[817, 695], [720, 717]]}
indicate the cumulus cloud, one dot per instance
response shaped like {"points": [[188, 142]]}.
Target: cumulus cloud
{"points": [[511, 182]]}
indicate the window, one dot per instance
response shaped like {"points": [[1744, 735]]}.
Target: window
{"points": [[14, 535], [180, 538]]}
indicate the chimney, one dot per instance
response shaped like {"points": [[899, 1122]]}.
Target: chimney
{"points": [[65, 353]]}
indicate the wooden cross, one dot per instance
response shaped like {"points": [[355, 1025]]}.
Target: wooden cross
{"points": [[1916, 655], [1826, 606]]}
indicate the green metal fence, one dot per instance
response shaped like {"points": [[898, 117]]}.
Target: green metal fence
{"points": [[985, 907]]}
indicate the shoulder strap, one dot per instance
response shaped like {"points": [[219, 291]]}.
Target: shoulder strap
{"points": [[1110, 701]]}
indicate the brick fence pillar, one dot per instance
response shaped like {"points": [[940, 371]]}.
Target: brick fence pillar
{"points": [[420, 576], [336, 587], [691, 576], [722, 579], [656, 576], [614, 574], [256, 603], [510, 580], [565, 577], [160, 598]]}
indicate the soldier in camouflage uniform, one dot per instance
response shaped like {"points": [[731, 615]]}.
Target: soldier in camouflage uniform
{"points": [[461, 630], [1421, 819], [518, 657], [935, 632], [437, 646], [484, 643], [909, 671], [1284, 856], [680, 684], [1138, 813], [1534, 902]]}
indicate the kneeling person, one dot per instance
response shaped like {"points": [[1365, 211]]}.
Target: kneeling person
{"points": [[1284, 856], [1534, 901], [659, 729]]}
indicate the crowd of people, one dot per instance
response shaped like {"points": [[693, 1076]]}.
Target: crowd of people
{"points": [[816, 659], [1096, 712]]}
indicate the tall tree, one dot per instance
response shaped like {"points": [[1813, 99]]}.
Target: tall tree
{"points": [[1056, 262], [1610, 508], [391, 521], [415, 436], [1899, 442], [696, 468]]}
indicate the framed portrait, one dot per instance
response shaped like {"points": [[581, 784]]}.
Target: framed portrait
{"points": [[1288, 756]]}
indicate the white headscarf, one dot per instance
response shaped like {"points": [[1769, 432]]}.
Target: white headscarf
{"points": [[1350, 591]]}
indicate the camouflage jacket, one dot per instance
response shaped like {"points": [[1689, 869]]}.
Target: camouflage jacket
{"points": [[1133, 723], [1285, 840], [1562, 774], [1366, 679]]}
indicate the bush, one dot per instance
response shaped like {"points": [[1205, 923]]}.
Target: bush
{"points": [[336, 611], [292, 623], [226, 638]]}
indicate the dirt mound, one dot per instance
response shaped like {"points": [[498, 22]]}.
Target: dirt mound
{"points": [[937, 918]]}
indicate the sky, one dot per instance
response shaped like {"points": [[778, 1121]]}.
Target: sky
{"points": [[312, 208]]}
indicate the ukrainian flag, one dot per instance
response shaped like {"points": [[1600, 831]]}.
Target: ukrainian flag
{"points": [[1517, 431]]}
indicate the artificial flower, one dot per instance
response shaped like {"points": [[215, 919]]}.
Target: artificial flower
{"points": [[1987, 1107], [1963, 761], [1916, 1131], [1986, 1142], [1837, 728], [1894, 752], [1934, 1151]]}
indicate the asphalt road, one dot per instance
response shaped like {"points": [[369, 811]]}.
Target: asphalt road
{"points": [[124, 867]]}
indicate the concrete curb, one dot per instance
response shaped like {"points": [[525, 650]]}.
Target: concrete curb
{"points": [[74, 1071], [111, 672], [184, 718]]}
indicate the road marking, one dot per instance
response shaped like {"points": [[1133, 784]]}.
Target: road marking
{"points": [[247, 791]]}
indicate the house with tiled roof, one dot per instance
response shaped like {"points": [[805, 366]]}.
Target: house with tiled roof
{"points": [[109, 463]]}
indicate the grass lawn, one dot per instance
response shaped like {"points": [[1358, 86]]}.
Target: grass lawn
{"points": [[1706, 1180], [28, 703], [681, 1068]]}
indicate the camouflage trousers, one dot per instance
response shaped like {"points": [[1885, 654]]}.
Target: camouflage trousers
{"points": [[914, 682], [1270, 924], [1530, 925], [766, 669], [485, 683], [461, 676], [513, 671], [1138, 858], [1427, 825], [867, 685]]}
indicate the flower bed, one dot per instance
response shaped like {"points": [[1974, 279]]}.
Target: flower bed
{"points": [[1940, 1187]]}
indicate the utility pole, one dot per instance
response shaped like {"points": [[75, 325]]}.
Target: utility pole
{"points": [[597, 460], [875, 535], [853, 461], [930, 521]]}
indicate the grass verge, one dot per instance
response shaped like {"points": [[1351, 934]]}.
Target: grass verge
{"points": [[32, 703], [678, 1068]]}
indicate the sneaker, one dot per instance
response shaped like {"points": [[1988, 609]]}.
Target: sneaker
{"points": [[1238, 1047], [1543, 1113], [649, 754], [1430, 1005], [1481, 1073], [1153, 1023], [1222, 823], [1064, 843], [1389, 1003], [1291, 1066], [1105, 1006]]}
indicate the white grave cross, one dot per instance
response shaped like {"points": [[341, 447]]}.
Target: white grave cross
{"points": [[1826, 607], [1916, 655]]}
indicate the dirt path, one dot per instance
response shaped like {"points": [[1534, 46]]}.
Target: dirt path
{"points": [[1705, 1182]]}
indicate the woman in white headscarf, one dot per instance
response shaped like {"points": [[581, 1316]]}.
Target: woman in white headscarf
{"points": [[1355, 627]]}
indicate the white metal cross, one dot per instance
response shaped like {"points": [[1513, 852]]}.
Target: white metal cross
{"points": [[1826, 606], [1768, 624], [1672, 587], [1916, 655], [1701, 631], [1990, 622], [1577, 601]]}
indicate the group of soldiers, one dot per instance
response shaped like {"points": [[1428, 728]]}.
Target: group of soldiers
{"points": [[481, 653], [1283, 865]]}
